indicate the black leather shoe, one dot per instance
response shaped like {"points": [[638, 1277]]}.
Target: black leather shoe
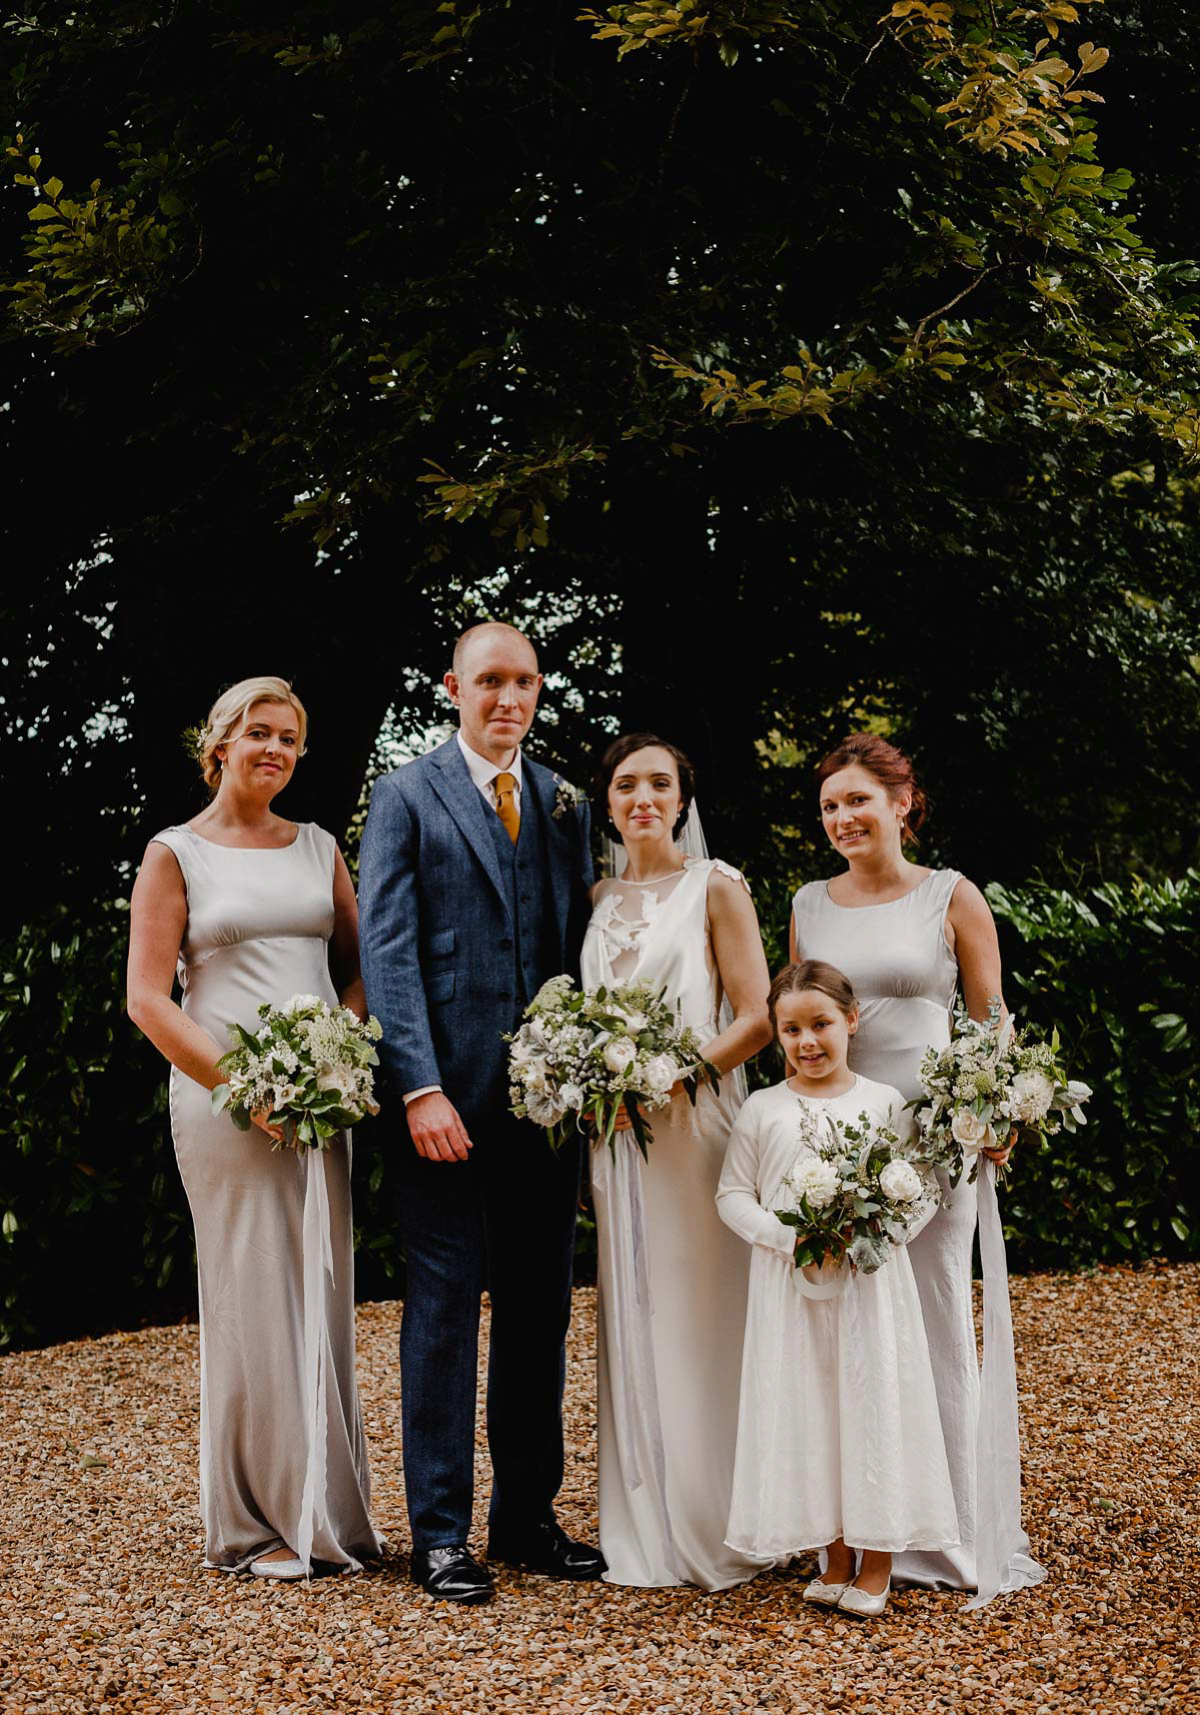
{"points": [[451, 1574], [548, 1549]]}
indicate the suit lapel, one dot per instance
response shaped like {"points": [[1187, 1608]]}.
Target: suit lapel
{"points": [[540, 781], [452, 782]]}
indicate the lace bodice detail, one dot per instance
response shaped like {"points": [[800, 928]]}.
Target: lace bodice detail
{"points": [[626, 912]]}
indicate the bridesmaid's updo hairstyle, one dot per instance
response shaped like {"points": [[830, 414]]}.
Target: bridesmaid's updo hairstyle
{"points": [[228, 714], [621, 749], [807, 975], [889, 766]]}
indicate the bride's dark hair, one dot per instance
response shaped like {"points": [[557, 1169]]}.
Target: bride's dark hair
{"points": [[620, 750], [890, 767]]}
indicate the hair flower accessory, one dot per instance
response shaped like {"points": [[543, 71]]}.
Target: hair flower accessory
{"points": [[195, 738]]}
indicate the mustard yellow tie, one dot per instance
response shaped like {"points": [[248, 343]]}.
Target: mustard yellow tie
{"points": [[506, 807]]}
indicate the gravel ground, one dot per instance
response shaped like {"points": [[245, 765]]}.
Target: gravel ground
{"points": [[104, 1608]]}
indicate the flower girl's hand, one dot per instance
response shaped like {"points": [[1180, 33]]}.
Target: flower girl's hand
{"points": [[262, 1120]]}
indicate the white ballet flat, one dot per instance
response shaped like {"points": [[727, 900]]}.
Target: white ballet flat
{"points": [[824, 1595], [862, 1603], [286, 1569]]}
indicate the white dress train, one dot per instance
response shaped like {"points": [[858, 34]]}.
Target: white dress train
{"points": [[672, 1278]]}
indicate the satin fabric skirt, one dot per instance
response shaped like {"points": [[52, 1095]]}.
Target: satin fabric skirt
{"points": [[283, 1456], [672, 1302], [941, 1265]]}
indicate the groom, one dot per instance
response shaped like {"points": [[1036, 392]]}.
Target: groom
{"points": [[473, 891]]}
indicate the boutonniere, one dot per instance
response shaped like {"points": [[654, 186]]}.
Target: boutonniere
{"points": [[566, 797]]}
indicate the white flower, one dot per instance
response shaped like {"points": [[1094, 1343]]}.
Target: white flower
{"points": [[571, 1096], [925, 1118], [1030, 1097], [339, 1078], [659, 1073], [535, 1074], [817, 1182], [282, 1096], [304, 1003], [971, 1133], [900, 1182], [619, 1054], [1077, 1093], [567, 797]]}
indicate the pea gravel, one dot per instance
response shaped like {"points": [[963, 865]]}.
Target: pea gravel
{"points": [[104, 1608]]}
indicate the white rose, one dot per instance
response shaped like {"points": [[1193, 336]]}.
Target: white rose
{"points": [[659, 1074], [817, 1183], [571, 1096], [1030, 1096], [304, 1003], [339, 1078], [635, 1022], [900, 1182], [619, 1054], [971, 1133]]}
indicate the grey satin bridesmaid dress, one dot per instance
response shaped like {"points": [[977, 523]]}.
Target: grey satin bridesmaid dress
{"points": [[283, 1456]]}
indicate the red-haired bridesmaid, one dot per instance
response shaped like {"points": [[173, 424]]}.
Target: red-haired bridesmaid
{"points": [[909, 938]]}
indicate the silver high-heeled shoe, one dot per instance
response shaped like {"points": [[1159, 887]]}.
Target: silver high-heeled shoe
{"points": [[862, 1604], [286, 1569], [824, 1595]]}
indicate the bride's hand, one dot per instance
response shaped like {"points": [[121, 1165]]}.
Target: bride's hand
{"points": [[1000, 1156], [262, 1120], [622, 1121]]}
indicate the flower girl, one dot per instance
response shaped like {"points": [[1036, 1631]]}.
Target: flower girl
{"points": [[839, 1442]]}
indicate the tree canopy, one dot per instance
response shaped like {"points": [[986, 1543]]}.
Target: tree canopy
{"points": [[788, 366]]}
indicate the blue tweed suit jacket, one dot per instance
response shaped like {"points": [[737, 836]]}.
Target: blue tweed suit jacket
{"points": [[435, 925]]}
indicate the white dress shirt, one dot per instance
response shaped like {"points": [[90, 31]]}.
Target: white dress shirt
{"points": [[483, 773]]}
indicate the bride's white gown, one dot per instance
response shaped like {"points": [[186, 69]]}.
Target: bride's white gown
{"points": [[672, 1277]]}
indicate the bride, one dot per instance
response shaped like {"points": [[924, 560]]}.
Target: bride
{"points": [[672, 1278]]}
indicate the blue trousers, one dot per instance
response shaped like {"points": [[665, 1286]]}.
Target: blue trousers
{"points": [[503, 1220]]}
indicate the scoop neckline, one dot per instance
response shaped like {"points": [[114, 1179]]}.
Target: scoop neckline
{"points": [[801, 1097], [219, 847], [880, 904], [624, 881]]}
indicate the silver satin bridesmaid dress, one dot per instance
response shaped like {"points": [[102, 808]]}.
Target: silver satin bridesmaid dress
{"points": [[905, 978], [283, 1457]]}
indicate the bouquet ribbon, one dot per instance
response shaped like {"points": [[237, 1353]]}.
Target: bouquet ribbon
{"points": [[317, 1261], [1002, 1557]]}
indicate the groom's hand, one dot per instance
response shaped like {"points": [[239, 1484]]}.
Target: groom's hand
{"points": [[435, 1128]]}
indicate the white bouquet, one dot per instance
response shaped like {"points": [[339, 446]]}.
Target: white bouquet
{"points": [[307, 1067], [582, 1055], [857, 1192], [993, 1085]]}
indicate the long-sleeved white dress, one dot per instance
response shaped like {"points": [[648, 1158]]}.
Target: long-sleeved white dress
{"points": [[838, 1426]]}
